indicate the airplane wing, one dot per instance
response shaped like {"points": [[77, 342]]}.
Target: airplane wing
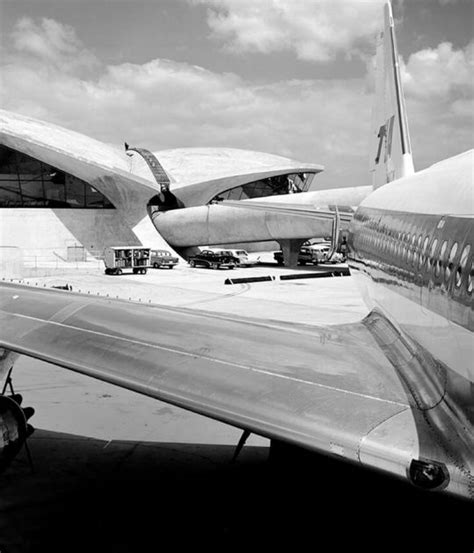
{"points": [[330, 389]]}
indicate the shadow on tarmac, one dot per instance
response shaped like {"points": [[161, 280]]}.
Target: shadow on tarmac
{"points": [[89, 495]]}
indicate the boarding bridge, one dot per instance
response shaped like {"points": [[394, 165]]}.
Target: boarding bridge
{"points": [[159, 174]]}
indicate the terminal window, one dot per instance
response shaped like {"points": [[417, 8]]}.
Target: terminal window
{"points": [[27, 182], [271, 186]]}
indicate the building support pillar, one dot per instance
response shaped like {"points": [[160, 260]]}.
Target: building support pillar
{"points": [[291, 249]]}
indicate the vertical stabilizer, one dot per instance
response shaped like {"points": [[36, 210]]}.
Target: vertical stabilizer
{"points": [[390, 148]]}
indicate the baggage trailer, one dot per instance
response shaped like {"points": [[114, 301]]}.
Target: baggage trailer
{"points": [[120, 259]]}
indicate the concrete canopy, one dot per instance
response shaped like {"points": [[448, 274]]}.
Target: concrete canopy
{"points": [[102, 166], [199, 174], [196, 174]]}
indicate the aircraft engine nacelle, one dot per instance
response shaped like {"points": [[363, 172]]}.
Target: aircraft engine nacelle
{"points": [[14, 428]]}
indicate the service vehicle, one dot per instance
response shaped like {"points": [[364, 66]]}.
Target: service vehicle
{"points": [[162, 259], [120, 259], [213, 260]]}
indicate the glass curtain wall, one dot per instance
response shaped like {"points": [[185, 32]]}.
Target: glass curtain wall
{"points": [[27, 182], [281, 184]]}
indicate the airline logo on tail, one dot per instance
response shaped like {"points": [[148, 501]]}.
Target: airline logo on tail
{"points": [[390, 151], [385, 140]]}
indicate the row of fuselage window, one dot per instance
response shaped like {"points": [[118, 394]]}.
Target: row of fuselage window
{"points": [[439, 257]]}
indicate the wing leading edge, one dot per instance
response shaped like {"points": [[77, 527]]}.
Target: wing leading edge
{"points": [[330, 389]]}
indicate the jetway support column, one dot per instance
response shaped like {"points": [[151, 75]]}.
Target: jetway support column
{"points": [[291, 249]]}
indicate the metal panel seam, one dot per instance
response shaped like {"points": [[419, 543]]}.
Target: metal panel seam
{"points": [[376, 425]]}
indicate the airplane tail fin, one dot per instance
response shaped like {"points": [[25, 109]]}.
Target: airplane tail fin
{"points": [[390, 148]]}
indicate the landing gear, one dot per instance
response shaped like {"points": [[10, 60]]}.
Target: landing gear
{"points": [[240, 445]]}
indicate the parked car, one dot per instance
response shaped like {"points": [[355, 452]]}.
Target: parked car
{"points": [[313, 254], [278, 257], [323, 251], [307, 255], [162, 258], [213, 260], [337, 257], [320, 252], [241, 255]]}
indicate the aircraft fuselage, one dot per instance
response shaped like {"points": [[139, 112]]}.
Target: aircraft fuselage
{"points": [[415, 264]]}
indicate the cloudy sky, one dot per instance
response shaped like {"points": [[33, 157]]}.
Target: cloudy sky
{"points": [[290, 77]]}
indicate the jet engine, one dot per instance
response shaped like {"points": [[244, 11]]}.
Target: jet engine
{"points": [[14, 427]]}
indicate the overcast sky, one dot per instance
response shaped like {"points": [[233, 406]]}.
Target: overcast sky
{"points": [[289, 77]]}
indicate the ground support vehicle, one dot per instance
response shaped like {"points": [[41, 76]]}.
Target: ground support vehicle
{"points": [[120, 259], [213, 260], [160, 259]]}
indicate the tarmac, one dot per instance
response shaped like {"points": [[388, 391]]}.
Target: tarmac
{"points": [[117, 471]]}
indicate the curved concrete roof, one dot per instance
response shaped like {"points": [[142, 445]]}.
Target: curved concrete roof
{"points": [[199, 174], [196, 174], [194, 165], [49, 135], [97, 163]]}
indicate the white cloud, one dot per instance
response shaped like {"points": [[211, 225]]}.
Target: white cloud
{"points": [[52, 42], [165, 104], [313, 29], [439, 87], [440, 72]]}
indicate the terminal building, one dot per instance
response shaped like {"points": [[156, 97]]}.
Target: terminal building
{"points": [[66, 197]]}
